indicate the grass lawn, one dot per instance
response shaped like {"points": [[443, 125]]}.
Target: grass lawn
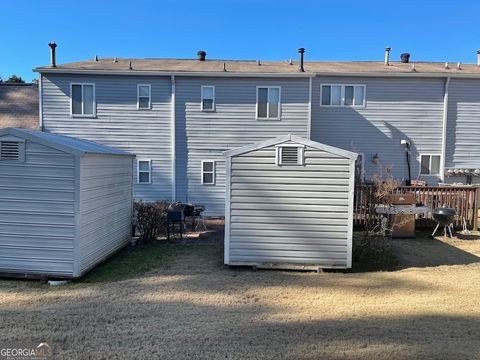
{"points": [[171, 301]]}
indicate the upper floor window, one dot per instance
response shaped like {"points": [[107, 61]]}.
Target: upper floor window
{"points": [[144, 171], [82, 99], [430, 164], [290, 154], [208, 98], [144, 98], [268, 102], [342, 95]]}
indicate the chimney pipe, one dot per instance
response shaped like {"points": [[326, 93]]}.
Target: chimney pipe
{"points": [[201, 55], [387, 56], [301, 51], [53, 59], [478, 57]]}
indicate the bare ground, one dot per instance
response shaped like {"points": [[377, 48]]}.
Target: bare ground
{"points": [[199, 309]]}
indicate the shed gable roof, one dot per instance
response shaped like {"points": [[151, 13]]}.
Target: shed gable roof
{"points": [[67, 144], [286, 138]]}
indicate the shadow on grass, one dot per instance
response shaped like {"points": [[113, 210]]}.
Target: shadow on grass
{"points": [[134, 261]]}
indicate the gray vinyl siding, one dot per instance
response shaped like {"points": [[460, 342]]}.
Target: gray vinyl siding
{"points": [[105, 206], [289, 214], [119, 124], [463, 125], [206, 135], [37, 212], [396, 109]]}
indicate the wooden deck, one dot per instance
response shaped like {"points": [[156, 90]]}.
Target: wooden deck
{"points": [[464, 199]]}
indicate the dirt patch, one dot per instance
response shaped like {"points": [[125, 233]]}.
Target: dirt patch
{"points": [[197, 308]]}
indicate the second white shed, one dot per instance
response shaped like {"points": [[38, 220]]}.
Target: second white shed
{"points": [[289, 204], [65, 203]]}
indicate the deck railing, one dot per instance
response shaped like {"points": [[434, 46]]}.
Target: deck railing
{"points": [[464, 199]]}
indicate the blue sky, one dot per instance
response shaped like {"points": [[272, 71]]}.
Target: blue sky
{"points": [[235, 29]]}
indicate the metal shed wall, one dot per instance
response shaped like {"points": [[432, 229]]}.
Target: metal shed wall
{"points": [[37, 212], [292, 214]]}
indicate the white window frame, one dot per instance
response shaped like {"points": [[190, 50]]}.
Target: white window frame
{"points": [[429, 165], [94, 101], [214, 167], [342, 95], [300, 154], [149, 97], [268, 107], [213, 98], [149, 171]]}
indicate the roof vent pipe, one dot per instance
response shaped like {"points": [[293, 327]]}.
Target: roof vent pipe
{"points": [[387, 56], [478, 57], [201, 55], [301, 51], [405, 58], [53, 58]]}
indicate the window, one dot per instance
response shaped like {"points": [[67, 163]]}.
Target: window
{"points": [[144, 99], [342, 95], [430, 164], [290, 154], [208, 172], [268, 103], [83, 99], [144, 171], [208, 98]]}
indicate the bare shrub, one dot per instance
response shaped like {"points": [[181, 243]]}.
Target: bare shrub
{"points": [[373, 246], [150, 218]]}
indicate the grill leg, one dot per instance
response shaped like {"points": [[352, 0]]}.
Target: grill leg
{"points": [[450, 231], [434, 231]]}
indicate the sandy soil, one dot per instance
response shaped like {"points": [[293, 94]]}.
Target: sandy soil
{"points": [[199, 309]]}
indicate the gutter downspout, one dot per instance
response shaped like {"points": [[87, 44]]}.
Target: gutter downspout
{"points": [[173, 145], [444, 129], [309, 131], [40, 105]]}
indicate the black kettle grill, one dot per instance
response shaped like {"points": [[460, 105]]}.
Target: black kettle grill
{"points": [[444, 216]]}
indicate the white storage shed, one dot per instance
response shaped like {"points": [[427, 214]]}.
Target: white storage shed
{"points": [[65, 203], [289, 204]]}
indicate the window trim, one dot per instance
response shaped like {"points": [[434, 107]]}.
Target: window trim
{"points": [[268, 118], [94, 114], [143, 171], [300, 154], [342, 95], [149, 97], [202, 98], [202, 172], [429, 164]]}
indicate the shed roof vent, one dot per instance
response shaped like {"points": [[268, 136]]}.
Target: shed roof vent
{"points": [[290, 155], [10, 150]]}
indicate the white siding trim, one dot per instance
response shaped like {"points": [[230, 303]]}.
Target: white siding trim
{"points": [[149, 171], [76, 240], [293, 138], [228, 182], [351, 194], [149, 97], [213, 98], [444, 129], [310, 89], [173, 141], [40, 103]]}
